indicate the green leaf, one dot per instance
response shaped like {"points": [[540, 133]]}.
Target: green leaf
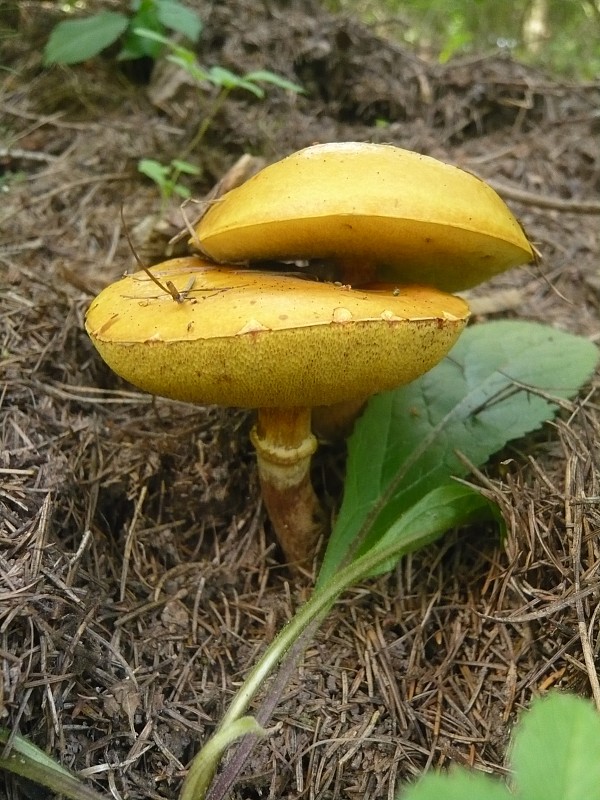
{"points": [[555, 756], [265, 76], [485, 393], [181, 191], [457, 785], [556, 751], [182, 56], [136, 45], [155, 36], [180, 18], [192, 67], [77, 40], [28, 761], [229, 80], [447, 506], [186, 167], [154, 170]]}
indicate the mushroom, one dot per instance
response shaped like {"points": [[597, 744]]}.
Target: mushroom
{"points": [[369, 214], [363, 213], [206, 334], [374, 212]]}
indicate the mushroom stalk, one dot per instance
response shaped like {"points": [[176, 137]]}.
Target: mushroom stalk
{"points": [[335, 422], [284, 445]]}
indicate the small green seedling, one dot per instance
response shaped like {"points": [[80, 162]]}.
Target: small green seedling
{"points": [[166, 177], [223, 79], [217, 76], [73, 41], [555, 755]]}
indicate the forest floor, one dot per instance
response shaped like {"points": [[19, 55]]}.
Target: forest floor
{"points": [[139, 579]]}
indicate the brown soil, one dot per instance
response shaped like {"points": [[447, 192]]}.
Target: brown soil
{"points": [[138, 577]]}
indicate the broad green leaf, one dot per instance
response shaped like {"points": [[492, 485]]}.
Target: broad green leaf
{"points": [[28, 761], [77, 40], [485, 393], [556, 751], [180, 18], [136, 46], [457, 785], [443, 508]]}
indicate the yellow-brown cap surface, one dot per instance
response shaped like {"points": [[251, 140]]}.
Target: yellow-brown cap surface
{"points": [[256, 339], [416, 219]]}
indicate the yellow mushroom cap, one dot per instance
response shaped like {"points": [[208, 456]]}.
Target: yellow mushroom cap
{"points": [[416, 219], [256, 339]]}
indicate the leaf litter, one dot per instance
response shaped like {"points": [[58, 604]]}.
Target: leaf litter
{"points": [[138, 580]]}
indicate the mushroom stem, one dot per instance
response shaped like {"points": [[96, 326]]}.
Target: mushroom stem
{"points": [[356, 272], [284, 446], [333, 423]]}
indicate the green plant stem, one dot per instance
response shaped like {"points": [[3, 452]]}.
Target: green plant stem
{"points": [[202, 767], [318, 606], [224, 782]]}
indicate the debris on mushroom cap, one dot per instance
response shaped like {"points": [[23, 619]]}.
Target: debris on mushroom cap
{"points": [[415, 219], [256, 339]]}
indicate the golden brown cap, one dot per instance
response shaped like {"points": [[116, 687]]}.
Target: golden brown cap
{"points": [[416, 219], [256, 339]]}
